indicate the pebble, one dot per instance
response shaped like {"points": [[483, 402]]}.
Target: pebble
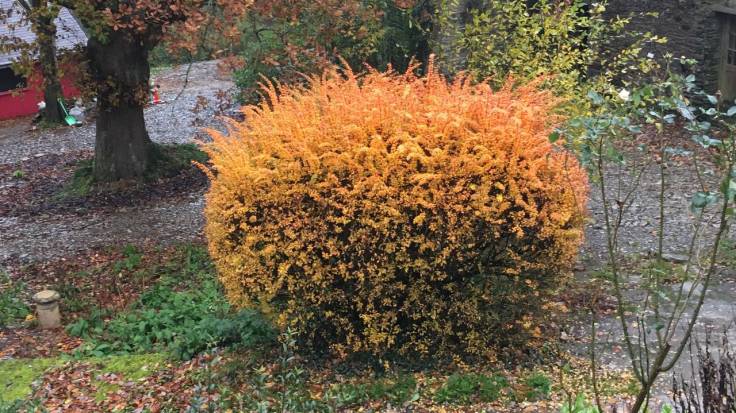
{"points": [[675, 258]]}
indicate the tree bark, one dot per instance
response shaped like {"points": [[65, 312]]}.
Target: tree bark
{"points": [[123, 149], [45, 30], [47, 58]]}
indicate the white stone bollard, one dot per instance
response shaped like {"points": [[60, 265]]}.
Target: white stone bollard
{"points": [[47, 309]]}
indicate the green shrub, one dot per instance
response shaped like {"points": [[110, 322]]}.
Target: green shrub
{"points": [[467, 388], [12, 307], [575, 43], [182, 322], [538, 386], [395, 390]]}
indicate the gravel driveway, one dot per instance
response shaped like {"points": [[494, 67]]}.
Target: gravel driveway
{"points": [[178, 120], [638, 240]]}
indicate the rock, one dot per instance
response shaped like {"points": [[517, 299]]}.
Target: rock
{"points": [[675, 258]]}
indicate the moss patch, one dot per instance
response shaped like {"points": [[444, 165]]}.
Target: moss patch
{"points": [[130, 367], [168, 161], [16, 376]]}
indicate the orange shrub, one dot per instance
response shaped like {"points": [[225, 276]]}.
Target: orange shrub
{"points": [[393, 213]]}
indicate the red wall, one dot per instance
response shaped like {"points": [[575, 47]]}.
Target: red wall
{"points": [[24, 102]]}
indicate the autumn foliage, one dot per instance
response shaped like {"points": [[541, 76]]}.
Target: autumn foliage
{"points": [[394, 213]]}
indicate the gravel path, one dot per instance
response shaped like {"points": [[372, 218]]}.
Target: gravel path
{"points": [[638, 240], [179, 120]]}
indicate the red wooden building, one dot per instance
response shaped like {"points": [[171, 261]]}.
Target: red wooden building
{"points": [[20, 96]]}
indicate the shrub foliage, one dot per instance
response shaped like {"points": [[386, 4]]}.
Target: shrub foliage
{"points": [[396, 213]]}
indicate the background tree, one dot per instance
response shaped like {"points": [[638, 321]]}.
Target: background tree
{"points": [[121, 35], [311, 35], [286, 39], [43, 15], [42, 53]]}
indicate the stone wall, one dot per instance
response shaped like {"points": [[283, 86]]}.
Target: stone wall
{"points": [[691, 27]]}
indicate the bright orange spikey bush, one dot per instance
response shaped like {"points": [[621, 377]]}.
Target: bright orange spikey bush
{"points": [[390, 213]]}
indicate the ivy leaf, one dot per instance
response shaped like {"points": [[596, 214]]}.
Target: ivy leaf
{"points": [[706, 141], [595, 97], [731, 111], [702, 199], [686, 112], [712, 99]]}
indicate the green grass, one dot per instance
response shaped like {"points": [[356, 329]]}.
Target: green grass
{"points": [[467, 388], [16, 376], [132, 367], [171, 159]]}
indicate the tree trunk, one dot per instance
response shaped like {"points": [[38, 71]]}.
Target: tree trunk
{"points": [[52, 86], [45, 30], [446, 32], [122, 147], [51, 95], [121, 72]]}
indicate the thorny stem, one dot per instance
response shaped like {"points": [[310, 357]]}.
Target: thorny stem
{"points": [[654, 276], [593, 357], [647, 375], [660, 365], [723, 226], [674, 319], [621, 312], [662, 166]]}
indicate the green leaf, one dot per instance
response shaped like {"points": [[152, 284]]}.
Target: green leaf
{"points": [[595, 97], [702, 199], [686, 112], [712, 99], [554, 136]]}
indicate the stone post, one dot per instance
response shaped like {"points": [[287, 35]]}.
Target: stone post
{"points": [[47, 309]]}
